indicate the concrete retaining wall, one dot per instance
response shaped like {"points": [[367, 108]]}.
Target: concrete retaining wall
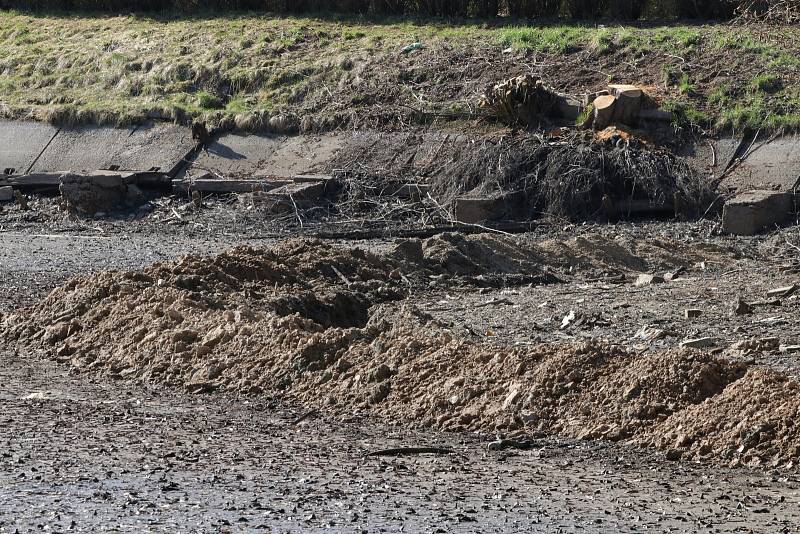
{"points": [[39, 147], [242, 156], [21, 143]]}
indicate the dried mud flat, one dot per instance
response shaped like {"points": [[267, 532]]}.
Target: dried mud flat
{"points": [[458, 334]]}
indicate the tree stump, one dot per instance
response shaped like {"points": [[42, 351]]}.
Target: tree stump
{"points": [[628, 105], [603, 111]]}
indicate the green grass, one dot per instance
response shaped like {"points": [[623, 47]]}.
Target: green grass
{"points": [[555, 40], [125, 68]]}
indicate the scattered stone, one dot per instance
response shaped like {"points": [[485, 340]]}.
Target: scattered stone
{"points": [[767, 344], [692, 313], [651, 333], [750, 212], [700, 343], [669, 277], [568, 319], [740, 307], [648, 279], [21, 201]]}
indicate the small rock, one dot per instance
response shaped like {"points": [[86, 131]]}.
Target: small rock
{"points": [[652, 333], [767, 344], [22, 202], [213, 337], [692, 313], [740, 307], [669, 277], [648, 279], [174, 314], [501, 444], [381, 373], [568, 319], [511, 398]]}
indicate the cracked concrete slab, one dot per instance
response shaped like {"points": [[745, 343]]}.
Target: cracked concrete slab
{"points": [[773, 165], [82, 149], [21, 142], [241, 155], [160, 147]]}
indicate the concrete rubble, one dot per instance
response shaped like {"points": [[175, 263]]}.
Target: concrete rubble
{"points": [[751, 212]]}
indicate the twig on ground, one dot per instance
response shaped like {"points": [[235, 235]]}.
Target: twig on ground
{"points": [[399, 451]]}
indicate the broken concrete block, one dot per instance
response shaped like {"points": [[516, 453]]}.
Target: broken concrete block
{"points": [[753, 211], [6, 193], [476, 209], [90, 194], [692, 313], [569, 108], [299, 191]]}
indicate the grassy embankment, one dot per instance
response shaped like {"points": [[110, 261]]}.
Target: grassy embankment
{"points": [[112, 69]]}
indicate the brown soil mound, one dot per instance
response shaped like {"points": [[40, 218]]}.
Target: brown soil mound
{"points": [[753, 422], [315, 325]]}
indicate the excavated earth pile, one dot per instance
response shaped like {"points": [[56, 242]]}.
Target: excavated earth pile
{"points": [[324, 327]]}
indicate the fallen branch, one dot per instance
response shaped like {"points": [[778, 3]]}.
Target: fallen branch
{"points": [[304, 417], [411, 450]]}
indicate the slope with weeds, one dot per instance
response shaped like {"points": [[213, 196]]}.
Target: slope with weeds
{"points": [[260, 72]]}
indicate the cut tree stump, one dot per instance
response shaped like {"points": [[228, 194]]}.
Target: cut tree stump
{"points": [[628, 105], [603, 107]]}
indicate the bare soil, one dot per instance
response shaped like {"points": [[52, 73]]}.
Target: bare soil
{"points": [[408, 339]]}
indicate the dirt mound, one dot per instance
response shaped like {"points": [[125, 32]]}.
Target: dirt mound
{"points": [[488, 253], [320, 326], [753, 422]]}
